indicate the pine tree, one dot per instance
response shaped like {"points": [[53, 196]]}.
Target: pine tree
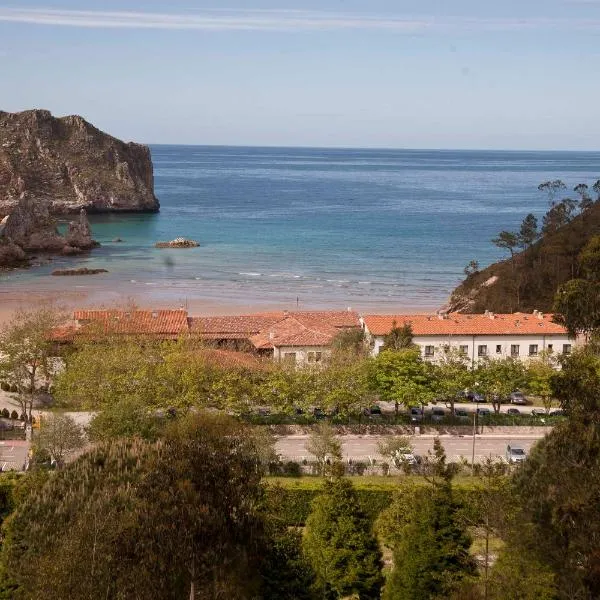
{"points": [[340, 545], [399, 338]]}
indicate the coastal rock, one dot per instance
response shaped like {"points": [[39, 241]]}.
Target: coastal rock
{"points": [[31, 227], [12, 255], [69, 164], [79, 233], [177, 243], [81, 271]]}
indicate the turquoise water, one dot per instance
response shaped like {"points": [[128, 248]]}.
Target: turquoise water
{"points": [[364, 228]]}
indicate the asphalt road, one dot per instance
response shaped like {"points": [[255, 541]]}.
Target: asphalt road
{"points": [[13, 454], [362, 447]]}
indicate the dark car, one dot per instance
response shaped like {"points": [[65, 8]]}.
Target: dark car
{"points": [[461, 413], [437, 414], [557, 413], [484, 412], [416, 414], [515, 412], [374, 412], [319, 413], [470, 396], [517, 398]]}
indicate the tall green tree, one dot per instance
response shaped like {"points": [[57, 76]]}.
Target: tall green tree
{"points": [[132, 519], [27, 359], [451, 375], [430, 546], [399, 337], [497, 378], [528, 232], [507, 240], [325, 446], [341, 546], [59, 435]]}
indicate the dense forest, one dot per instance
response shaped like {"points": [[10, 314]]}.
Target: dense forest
{"points": [[540, 259]]}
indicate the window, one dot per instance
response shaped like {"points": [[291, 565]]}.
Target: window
{"points": [[533, 349], [498, 348], [566, 348], [550, 348], [514, 350], [464, 350], [315, 357], [482, 350], [429, 351], [289, 357]]}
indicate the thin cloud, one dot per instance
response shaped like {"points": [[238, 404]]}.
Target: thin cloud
{"points": [[277, 20]]}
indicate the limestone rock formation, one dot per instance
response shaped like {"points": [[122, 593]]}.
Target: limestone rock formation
{"points": [[69, 164], [177, 243], [31, 228], [79, 233]]}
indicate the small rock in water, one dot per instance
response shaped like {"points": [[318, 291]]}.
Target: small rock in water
{"points": [[177, 243], [82, 271], [117, 240]]}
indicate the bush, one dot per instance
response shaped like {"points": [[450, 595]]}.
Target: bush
{"points": [[13, 389], [356, 468], [292, 469], [13, 415], [5, 387], [5, 413], [23, 417]]}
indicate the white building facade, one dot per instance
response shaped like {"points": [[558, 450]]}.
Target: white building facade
{"points": [[517, 335]]}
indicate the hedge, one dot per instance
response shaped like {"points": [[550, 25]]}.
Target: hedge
{"points": [[294, 499]]}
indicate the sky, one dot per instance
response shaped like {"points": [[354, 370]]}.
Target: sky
{"points": [[339, 73]]}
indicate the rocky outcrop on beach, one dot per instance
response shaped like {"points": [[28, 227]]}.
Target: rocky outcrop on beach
{"points": [[30, 228], [74, 272], [177, 243], [69, 164]]}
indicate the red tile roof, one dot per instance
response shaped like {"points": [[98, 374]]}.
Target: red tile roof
{"points": [[266, 330], [168, 323], [295, 331], [460, 324]]}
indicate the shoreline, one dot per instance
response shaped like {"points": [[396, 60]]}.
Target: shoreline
{"points": [[27, 296]]}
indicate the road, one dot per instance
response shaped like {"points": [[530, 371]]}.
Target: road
{"points": [[13, 454], [362, 447]]}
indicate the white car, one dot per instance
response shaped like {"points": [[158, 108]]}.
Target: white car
{"points": [[515, 454]]}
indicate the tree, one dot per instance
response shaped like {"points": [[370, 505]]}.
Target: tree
{"points": [[451, 375], [528, 232], [340, 545], [596, 188], [507, 241], [134, 519], [497, 378], [349, 345], [344, 387], [552, 188], [399, 338], [430, 546], [540, 372], [324, 446], [401, 377], [557, 490], [471, 268], [558, 216], [395, 448], [59, 435], [26, 353], [585, 200]]}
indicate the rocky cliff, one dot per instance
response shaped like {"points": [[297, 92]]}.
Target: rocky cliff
{"points": [[69, 164], [31, 229]]}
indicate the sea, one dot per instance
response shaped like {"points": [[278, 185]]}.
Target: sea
{"points": [[371, 229]]}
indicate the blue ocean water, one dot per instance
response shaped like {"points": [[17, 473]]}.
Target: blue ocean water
{"points": [[321, 227]]}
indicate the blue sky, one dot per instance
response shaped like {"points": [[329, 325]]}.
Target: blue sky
{"points": [[376, 73]]}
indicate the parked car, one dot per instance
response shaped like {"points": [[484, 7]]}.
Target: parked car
{"points": [[558, 413], [484, 412], [517, 398], [374, 412], [461, 413], [470, 396], [437, 414], [515, 454], [538, 412], [515, 412], [319, 413], [416, 414]]}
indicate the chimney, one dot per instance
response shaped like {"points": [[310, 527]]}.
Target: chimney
{"points": [[271, 336], [154, 314]]}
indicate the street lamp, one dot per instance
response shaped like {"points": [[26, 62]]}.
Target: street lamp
{"points": [[475, 414]]}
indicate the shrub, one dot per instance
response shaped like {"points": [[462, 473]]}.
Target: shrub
{"points": [[13, 415], [5, 387], [5, 413], [292, 469], [13, 389], [23, 417]]}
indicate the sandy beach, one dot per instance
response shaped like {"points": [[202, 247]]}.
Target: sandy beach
{"points": [[17, 297]]}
